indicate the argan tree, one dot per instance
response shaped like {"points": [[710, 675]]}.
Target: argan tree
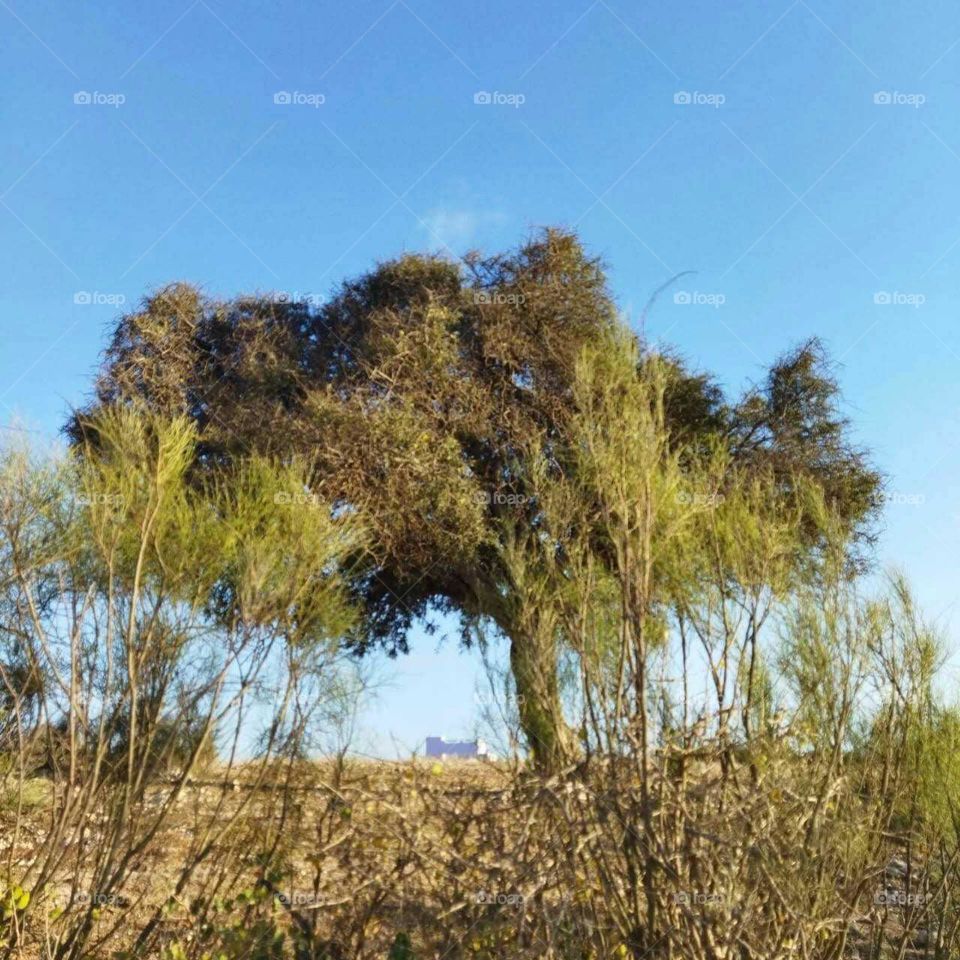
{"points": [[416, 394]]}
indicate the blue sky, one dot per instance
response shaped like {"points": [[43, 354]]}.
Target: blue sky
{"points": [[802, 158]]}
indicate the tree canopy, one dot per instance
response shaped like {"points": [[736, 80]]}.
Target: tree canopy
{"points": [[416, 394]]}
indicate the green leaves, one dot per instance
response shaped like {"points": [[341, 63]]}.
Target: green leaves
{"points": [[401, 948], [249, 540], [282, 550], [14, 900]]}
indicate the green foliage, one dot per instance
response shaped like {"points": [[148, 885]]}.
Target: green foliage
{"points": [[933, 763], [14, 900], [401, 949], [281, 550], [255, 543]]}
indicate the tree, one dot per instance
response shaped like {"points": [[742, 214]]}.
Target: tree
{"points": [[416, 395], [153, 614]]}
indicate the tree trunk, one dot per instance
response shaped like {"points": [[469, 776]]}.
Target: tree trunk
{"points": [[533, 661]]}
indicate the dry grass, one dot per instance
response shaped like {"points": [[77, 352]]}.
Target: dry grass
{"points": [[416, 860]]}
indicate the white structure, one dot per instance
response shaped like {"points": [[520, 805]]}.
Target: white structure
{"points": [[465, 749]]}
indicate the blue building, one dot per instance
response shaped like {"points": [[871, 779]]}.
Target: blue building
{"points": [[440, 748]]}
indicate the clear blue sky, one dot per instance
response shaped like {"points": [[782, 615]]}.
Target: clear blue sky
{"points": [[802, 202]]}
